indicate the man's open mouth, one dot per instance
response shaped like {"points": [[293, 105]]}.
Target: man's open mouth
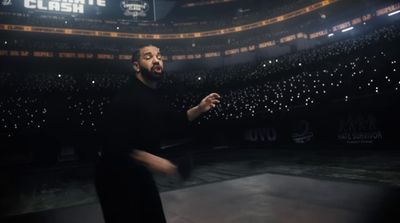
{"points": [[157, 69]]}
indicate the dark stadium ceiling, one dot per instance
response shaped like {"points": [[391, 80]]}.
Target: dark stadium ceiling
{"points": [[222, 12], [216, 10], [163, 10], [195, 10]]}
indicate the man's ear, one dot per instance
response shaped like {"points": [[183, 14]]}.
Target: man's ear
{"points": [[136, 66]]}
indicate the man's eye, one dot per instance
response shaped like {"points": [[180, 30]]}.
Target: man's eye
{"points": [[159, 57]]}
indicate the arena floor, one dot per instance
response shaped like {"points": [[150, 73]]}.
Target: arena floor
{"points": [[240, 185]]}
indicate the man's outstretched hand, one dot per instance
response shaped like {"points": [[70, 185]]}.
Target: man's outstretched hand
{"points": [[210, 101]]}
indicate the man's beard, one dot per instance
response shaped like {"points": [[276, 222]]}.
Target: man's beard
{"points": [[151, 75]]}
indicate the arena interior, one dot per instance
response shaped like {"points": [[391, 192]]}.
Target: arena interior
{"points": [[306, 131]]}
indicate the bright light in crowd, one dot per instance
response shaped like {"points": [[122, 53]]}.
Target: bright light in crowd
{"points": [[330, 34], [394, 13], [264, 65], [348, 29]]}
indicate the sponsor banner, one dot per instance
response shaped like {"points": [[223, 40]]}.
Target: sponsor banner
{"points": [[261, 135], [359, 129], [302, 132]]}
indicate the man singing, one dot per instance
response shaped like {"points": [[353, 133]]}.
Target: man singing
{"points": [[135, 122]]}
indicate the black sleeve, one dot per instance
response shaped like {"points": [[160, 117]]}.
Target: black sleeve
{"points": [[177, 122]]}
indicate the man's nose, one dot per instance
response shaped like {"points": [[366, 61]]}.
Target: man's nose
{"points": [[156, 60]]}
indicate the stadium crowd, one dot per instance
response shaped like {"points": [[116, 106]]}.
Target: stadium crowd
{"points": [[343, 70]]}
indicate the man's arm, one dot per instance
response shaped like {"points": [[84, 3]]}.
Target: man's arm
{"points": [[193, 113], [205, 105], [154, 162]]}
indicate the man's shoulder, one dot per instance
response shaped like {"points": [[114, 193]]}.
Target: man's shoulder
{"points": [[128, 91]]}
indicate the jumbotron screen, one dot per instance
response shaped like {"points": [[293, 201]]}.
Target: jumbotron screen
{"points": [[95, 9]]}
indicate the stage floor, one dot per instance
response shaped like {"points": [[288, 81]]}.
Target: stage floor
{"points": [[257, 199], [69, 186]]}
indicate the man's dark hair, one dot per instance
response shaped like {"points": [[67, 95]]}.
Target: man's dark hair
{"points": [[136, 55], [136, 52]]}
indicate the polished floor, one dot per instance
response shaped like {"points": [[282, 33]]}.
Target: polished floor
{"points": [[258, 199], [229, 186]]}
